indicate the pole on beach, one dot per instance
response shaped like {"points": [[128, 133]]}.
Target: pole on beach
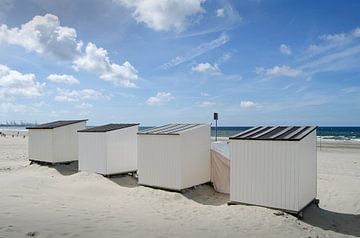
{"points": [[216, 117]]}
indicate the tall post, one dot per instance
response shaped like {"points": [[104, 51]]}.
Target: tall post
{"points": [[216, 130], [216, 117]]}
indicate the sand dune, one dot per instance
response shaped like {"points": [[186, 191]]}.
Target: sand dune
{"points": [[58, 201]]}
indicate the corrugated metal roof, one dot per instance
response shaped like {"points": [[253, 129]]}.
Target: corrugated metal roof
{"points": [[108, 127], [287, 133], [55, 124], [169, 129]]}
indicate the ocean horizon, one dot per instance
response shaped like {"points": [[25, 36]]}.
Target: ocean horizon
{"points": [[323, 132]]}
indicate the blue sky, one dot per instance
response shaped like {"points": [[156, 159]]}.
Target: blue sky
{"points": [[155, 62]]}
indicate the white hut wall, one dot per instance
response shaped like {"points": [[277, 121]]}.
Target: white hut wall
{"points": [[264, 173], [159, 161], [66, 142], [92, 152], [307, 157], [121, 146], [195, 153], [40, 147]]}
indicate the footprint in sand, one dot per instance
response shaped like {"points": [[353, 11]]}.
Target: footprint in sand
{"points": [[32, 234]]}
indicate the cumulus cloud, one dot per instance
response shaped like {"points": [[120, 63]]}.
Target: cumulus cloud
{"points": [[220, 12], [96, 60], [161, 98], [45, 35], [76, 95], [13, 84], [62, 78], [207, 104], [248, 104], [207, 68], [278, 71], [285, 49], [204, 94], [164, 15]]}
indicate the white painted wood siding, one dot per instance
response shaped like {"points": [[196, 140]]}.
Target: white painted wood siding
{"points": [[40, 146], [175, 161], [65, 142], [55, 145], [159, 161], [121, 146], [307, 157], [92, 152], [278, 174], [195, 157]]}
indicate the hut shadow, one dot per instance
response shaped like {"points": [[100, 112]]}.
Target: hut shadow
{"points": [[206, 195], [347, 224], [124, 180], [66, 169]]}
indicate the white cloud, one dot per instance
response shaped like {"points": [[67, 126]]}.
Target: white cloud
{"points": [[63, 78], [331, 42], [278, 71], [283, 71], [96, 60], [201, 49], [285, 49], [356, 32], [335, 52], [14, 83], [207, 104], [44, 35], [337, 38], [204, 94], [248, 104], [225, 57], [161, 98], [164, 15], [351, 89], [207, 68], [220, 12], [228, 22], [84, 105], [7, 107], [77, 95]]}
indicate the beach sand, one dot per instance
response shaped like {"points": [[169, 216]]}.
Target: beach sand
{"points": [[58, 201]]}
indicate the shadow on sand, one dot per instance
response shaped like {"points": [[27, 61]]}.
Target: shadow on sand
{"points": [[206, 195], [203, 194], [347, 224], [124, 180], [65, 169]]}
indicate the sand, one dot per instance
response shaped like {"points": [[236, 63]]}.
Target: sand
{"points": [[58, 201]]}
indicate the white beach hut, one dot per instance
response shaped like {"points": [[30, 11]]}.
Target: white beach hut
{"points": [[174, 156], [274, 167], [109, 149], [55, 142]]}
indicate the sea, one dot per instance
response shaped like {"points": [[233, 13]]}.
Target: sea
{"points": [[331, 133], [327, 132]]}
